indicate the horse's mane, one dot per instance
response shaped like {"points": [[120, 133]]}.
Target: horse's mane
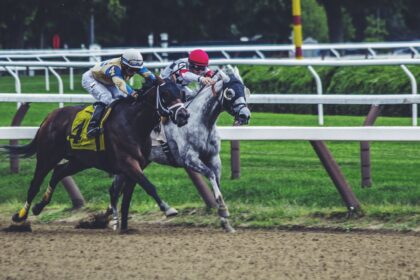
{"points": [[170, 86], [204, 91]]}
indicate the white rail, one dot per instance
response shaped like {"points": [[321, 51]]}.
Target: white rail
{"points": [[272, 62], [257, 49], [279, 133], [236, 61], [254, 99]]}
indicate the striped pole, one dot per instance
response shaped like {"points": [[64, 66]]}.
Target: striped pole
{"points": [[297, 28]]}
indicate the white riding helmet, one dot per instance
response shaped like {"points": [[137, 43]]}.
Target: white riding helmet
{"points": [[132, 58]]}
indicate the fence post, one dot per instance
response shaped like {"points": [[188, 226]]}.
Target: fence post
{"points": [[365, 147], [202, 188], [17, 120], [235, 159], [336, 176], [73, 191]]}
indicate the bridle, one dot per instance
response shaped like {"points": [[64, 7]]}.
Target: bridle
{"points": [[222, 97], [171, 111]]}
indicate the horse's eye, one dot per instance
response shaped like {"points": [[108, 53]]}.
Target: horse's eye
{"points": [[228, 94]]}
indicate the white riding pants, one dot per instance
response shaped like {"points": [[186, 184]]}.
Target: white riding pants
{"points": [[103, 93]]}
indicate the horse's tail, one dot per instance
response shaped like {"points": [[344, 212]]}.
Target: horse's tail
{"points": [[20, 150]]}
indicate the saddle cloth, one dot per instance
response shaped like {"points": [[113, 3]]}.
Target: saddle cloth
{"points": [[78, 137]]}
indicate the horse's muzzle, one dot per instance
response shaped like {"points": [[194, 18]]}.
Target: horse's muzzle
{"points": [[181, 117], [242, 117]]}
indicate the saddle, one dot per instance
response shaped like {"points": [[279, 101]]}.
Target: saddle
{"points": [[78, 136]]}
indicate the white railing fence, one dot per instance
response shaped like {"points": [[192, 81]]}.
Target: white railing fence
{"points": [[270, 133], [49, 66], [260, 51]]}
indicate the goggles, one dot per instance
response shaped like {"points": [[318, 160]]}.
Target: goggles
{"points": [[197, 67], [131, 71]]}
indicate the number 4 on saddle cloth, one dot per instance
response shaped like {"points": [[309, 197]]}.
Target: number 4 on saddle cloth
{"points": [[78, 137]]}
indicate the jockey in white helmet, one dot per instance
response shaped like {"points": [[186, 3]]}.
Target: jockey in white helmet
{"points": [[107, 81], [191, 69]]}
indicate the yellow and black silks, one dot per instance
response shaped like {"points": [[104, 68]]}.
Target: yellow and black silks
{"points": [[78, 137]]}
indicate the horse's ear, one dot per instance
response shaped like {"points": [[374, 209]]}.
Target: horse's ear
{"points": [[224, 77]]}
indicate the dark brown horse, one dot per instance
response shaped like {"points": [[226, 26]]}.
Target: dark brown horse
{"points": [[127, 141]]}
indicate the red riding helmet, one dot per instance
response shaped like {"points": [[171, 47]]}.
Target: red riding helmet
{"points": [[199, 58]]}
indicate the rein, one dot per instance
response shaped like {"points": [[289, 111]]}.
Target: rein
{"points": [[158, 104], [201, 89]]}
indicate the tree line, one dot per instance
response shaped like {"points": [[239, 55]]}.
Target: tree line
{"points": [[33, 23]]}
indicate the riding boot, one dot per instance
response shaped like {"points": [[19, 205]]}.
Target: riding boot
{"points": [[93, 128]]}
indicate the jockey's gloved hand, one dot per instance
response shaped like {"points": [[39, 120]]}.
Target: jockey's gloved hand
{"points": [[207, 81], [134, 95]]}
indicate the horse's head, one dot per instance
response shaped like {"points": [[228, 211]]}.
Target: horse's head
{"points": [[169, 104], [235, 95]]}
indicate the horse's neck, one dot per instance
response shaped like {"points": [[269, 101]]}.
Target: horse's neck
{"points": [[142, 117], [207, 106]]}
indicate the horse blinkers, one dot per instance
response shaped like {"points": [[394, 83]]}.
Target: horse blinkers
{"points": [[236, 104]]}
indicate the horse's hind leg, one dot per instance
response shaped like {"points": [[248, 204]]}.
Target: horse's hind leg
{"points": [[60, 171], [41, 170]]}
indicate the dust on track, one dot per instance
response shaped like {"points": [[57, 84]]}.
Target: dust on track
{"points": [[159, 251]]}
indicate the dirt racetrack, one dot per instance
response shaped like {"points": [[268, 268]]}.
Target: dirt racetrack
{"points": [[155, 251]]}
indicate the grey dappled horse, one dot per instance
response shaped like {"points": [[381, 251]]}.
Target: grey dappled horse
{"points": [[196, 145]]}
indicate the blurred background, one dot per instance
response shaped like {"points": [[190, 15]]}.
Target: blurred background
{"points": [[112, 23]]}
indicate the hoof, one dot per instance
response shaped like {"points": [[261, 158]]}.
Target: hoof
{"points": [[17, 219], [226, 226], [114, 224], [123, 231], [171, 212], [223, 212], [24, 226], [354, 213], [128, 231], [37, 209]]}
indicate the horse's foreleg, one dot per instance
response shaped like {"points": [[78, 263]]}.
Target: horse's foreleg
{"points": [[216, 166], [193, 162], [212, 172], [125, 206], [60, 171], [151, 190]]}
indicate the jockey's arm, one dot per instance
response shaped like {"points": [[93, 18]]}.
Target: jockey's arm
{"points": [[147, 74], [115, 74], [191, 77]]}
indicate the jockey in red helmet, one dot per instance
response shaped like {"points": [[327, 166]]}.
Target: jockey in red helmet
{"points": [[191, 69]]}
